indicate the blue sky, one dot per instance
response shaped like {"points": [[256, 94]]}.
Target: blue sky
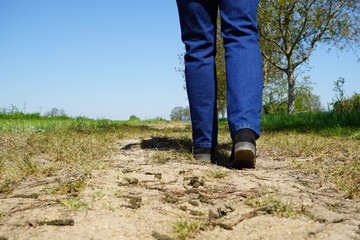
{"points": [[111, 58]]}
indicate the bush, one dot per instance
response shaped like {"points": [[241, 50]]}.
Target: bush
{"points": [[134, 118], [348, 105]]}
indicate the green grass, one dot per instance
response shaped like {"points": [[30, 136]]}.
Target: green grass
{"points": [[326, 123], [331, 123], [68, 187], [218, 173], [36, 146], [185, 228], [75, 124], [275, 205], [74, 204], [334, 123]]}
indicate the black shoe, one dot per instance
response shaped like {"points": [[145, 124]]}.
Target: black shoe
{"points": [[203, 154], [243, 154]]}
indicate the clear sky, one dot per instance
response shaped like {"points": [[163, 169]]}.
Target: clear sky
{"points": [[111, 58]]}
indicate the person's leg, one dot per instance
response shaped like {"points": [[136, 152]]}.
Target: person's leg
{"points": [[198, 29], [244, 77], [243, 64]]}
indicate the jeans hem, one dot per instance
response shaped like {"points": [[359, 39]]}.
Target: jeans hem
{"points": [[204, 145], [242, 126]]}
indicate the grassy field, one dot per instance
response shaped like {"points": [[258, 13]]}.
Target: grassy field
{"points": [[31, 146]]}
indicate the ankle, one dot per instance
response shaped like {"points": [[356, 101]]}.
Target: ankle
{"points": [[245, 135]]}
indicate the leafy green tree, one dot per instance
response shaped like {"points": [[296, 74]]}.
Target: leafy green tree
{"points": [[55, 112], [134, 118], [305, 101], [290, 30], [339, 89], [180, 114], [275, 97]]}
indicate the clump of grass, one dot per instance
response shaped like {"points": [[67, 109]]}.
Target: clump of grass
{"points": [[344, 173], [69, 187], [74, 203], [6, 187], [348, 178], [97, 196], [274, 204], [185, 154], [186, 228], [30, 167], [162, 156], [217, 173]]}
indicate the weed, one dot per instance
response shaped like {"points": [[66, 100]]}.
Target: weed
{"points": [[161, 157], [2, 164], [29, 167], [108, 206], [7, 187], [274, 204], [217, 173], [96, 196], [351, 184], [186, 228], [69, 187], [74, 203], [185, 153]]}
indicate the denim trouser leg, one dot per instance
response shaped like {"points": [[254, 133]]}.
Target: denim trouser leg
{"points": [[243, 65], [198, 28]]}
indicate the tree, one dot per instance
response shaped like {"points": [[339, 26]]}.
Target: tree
{"points": [[134, 118], [180, 114], [275, 99], [290, 30], [55, 112], [274, 95], [339, 89], [305, 100]]}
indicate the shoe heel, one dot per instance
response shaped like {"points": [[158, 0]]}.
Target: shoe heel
{"points": [[245, 155]]}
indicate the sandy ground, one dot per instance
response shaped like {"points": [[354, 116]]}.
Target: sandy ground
{"points": [[140, 198]]}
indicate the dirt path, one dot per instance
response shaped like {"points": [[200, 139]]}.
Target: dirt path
{"points": [[144, 198]]}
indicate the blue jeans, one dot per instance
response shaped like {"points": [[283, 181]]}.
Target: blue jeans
{"points": [[243, 65]]}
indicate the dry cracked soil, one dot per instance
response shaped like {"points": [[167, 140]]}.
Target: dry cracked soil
{"points": [[142, 198]]}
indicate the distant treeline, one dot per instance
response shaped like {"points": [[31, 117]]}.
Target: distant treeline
{"points": [[14, 112]]}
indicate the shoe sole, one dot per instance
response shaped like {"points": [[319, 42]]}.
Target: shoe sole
{"points": [[245, 155], [203, 157]]}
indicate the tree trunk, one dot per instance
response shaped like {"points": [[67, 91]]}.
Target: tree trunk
{"points": [[291, 91]]}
